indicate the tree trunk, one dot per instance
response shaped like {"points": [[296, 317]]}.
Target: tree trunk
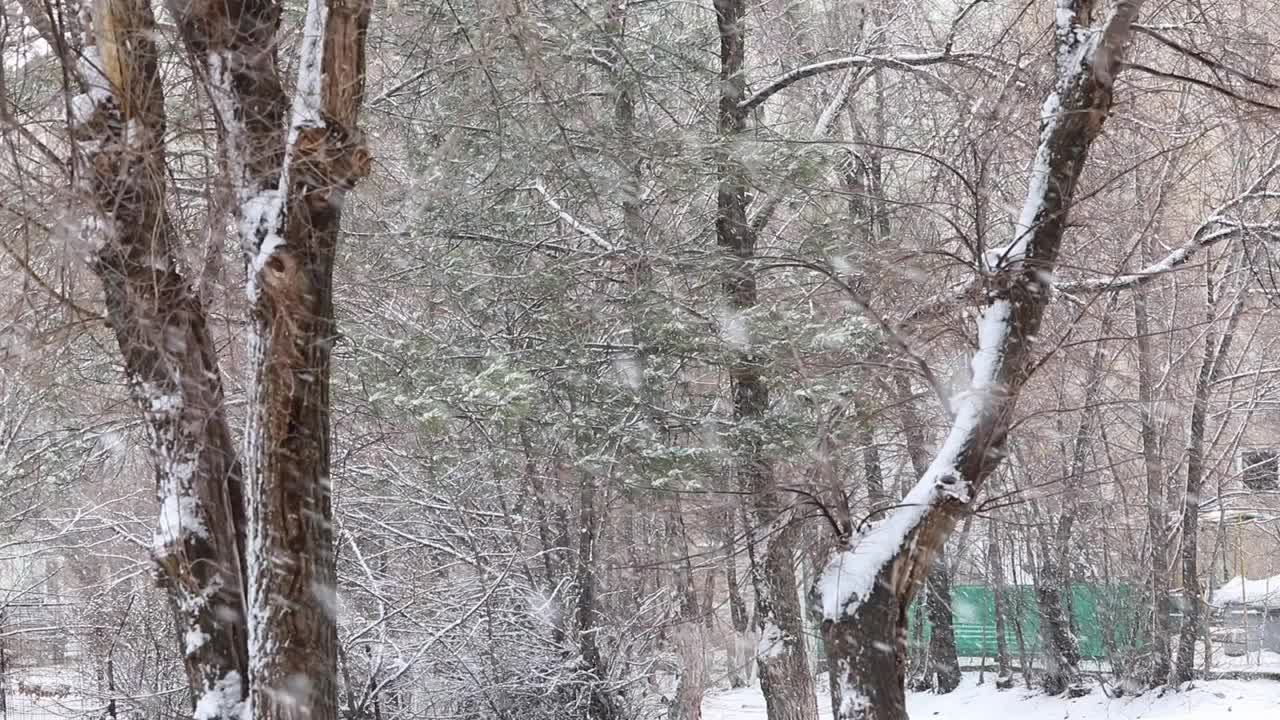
{"points": [[600, 702], [872, 473], [866, 589], [690, 644], [283, 659], [944, 666], [740, 664], [1215, 350], [784, 669], [160, 326], [1059, 648], [995, 567], [1158, 561]]}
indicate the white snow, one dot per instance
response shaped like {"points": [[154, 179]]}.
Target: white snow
{"points": [[134, 133], [262, 212], [221, 700], [849, 577], [772, 642], [82, 107], [630, 370], [734, 330], [1210, 700], [1038, 185], [307, 98], [179, 514], [1240, 591], [194, 640], [159, 401], [90, 67]]}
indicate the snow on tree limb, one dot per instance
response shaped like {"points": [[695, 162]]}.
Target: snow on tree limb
{"points": [[788, 79], [1217, 227], [1017, 294]]}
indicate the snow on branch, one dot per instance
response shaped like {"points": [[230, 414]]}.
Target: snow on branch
{"points": [[573, 222], [1004, 324], [262, 213], [853, 61], [850, 576], [1217, 227], [307, 98]]}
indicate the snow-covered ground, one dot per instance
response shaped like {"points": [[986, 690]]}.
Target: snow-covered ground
{"points": [[1212, 700]]}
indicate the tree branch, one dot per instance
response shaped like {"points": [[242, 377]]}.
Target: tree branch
{"points": [[854, 61]]}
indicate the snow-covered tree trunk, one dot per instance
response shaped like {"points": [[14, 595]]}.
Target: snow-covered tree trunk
{"points": [[866, 589], [289, 175], [784, 668], [117, 124]]}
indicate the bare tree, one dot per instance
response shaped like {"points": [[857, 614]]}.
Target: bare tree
{"points": [[227, 570], [866, 589]]}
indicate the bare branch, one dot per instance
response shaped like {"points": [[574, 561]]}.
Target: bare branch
{"points": [[854, 61]]}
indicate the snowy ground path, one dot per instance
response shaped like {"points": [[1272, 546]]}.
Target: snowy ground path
{"points": [[1225, 699]]}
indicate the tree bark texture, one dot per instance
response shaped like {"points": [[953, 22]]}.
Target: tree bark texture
{"points": [[944, 666], [1060, 647], [160, 326], [995, 568], [244, 547]]}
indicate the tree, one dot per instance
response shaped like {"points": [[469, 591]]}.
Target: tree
{"points": [[866, 589], [784, 666], [244, 543]]}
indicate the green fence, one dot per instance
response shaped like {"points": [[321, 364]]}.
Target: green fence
{"points": [[1095, 610]]}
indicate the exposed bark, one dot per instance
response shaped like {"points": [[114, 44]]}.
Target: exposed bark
{"points": [[740, 664], [872, 474], [1158, 543], [867, 589], [784, 668], [944, 666], [1060, 648], [289, 182], [1058, 644], [690, 643], [118, 125], [1215, 350]]}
